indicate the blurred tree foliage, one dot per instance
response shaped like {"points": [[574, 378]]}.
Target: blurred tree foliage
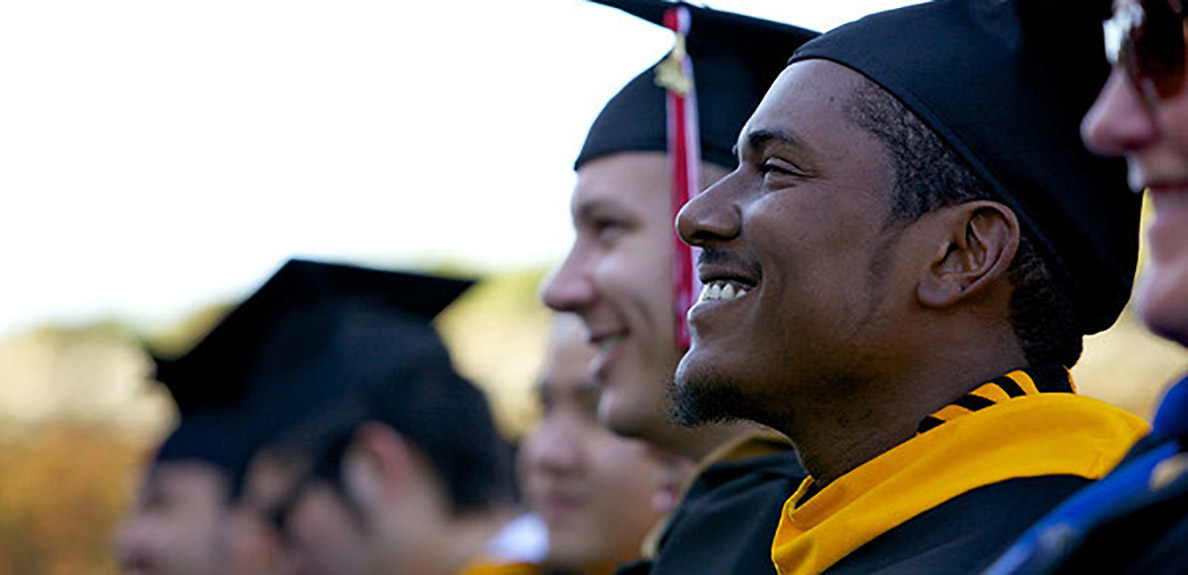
{"points": [[79, 412], [63, 488]]}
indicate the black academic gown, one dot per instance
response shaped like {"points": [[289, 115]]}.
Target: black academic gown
{"points": [[725, 522], [963, 535]]}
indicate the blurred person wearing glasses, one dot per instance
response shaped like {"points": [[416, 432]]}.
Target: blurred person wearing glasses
{"points": [[377, 456], [1136, 519]]}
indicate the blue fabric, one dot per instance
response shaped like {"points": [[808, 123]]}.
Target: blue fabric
{"points": [[1042, 548], [1171, 419], [1073, 518]]}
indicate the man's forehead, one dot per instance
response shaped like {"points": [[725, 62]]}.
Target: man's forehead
{"points": [[815, 84], [604, 200], [626, 174], [808, 101]]}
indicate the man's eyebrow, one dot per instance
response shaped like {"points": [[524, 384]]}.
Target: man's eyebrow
{"points": [[586, 209], [760, 138]]}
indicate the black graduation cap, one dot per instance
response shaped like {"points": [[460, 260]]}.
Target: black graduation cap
{"points": [[1005, 84], [735, 60], [311, 329]]}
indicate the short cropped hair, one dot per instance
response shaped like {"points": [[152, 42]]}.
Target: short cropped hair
{"points": [[928, 176], [444, 418]]}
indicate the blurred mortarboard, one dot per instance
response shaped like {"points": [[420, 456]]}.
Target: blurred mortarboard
{"points": [[1005, 84], [735, 59], [312, 327]]}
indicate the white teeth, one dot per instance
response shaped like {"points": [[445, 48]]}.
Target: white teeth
{"points": [[719, 291]]}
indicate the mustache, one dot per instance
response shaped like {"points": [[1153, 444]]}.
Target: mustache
{"points": [[717, 257]]}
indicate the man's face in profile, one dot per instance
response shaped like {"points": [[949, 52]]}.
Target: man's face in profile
{"points": [[178, 526]]}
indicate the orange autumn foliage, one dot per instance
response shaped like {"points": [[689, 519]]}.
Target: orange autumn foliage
{"points": [[63, 489]]}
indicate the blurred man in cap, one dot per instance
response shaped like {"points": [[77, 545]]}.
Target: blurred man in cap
{"points": [[184, 515], [377, 456], [592, 488], [661, 138], [899, 275], [184, 511], [1136, 519]]}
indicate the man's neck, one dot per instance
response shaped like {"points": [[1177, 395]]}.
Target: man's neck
{"points": [[836, 435], [452, 545], [696, 443]]}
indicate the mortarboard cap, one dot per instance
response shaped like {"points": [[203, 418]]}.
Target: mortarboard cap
{"points": [[736, 58], [312, 329], [1005, 84]]}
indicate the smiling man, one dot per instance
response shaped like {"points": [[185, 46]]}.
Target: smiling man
{"points": [[623, 275], [899, 275], [592, 488]]}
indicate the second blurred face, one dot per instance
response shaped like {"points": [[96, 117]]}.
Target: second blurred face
{"points": [[1152, 133], [592, 488]]}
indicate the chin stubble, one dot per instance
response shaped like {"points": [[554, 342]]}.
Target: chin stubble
{"points": [[706, 399]]}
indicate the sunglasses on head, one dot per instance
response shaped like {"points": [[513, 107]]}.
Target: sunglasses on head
{"points": [[1147, 38]]}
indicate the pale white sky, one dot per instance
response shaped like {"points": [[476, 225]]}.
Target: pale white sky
{"points": [[156, 157]]}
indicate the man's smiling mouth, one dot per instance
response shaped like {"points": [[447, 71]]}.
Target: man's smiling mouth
{"points": [[722, 290]]}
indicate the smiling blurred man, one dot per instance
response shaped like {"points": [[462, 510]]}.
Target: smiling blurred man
{"points": [[900, 273], [592, 488], [183, 520], [179, 523]]}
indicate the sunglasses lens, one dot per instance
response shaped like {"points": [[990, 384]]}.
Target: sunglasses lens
{"points": [[1157, 49]]}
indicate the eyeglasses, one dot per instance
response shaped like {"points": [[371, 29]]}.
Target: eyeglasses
{"points": [[323, 472], [1147, 38]]}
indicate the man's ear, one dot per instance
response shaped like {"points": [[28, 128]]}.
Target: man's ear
{"points": [[980, 240], [378, 465]]}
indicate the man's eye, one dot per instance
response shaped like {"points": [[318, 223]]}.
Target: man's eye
{"points": [[773, 167], [608, 229]]}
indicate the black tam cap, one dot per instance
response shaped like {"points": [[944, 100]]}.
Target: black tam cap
{"points": [[1005, 84], [312, 329], [735, 59]]}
